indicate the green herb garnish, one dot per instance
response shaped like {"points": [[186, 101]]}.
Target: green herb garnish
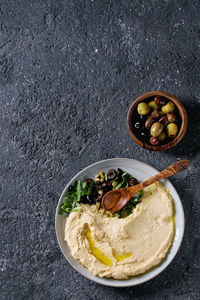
{"points": [[124, 182], [91, 192], [90, 188], [73, 197]]}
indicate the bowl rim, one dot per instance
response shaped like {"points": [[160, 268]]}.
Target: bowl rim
{"points": [[182, 113], [126, 282]]}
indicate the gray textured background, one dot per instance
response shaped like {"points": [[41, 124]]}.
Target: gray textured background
{"points": [[68, 73]]}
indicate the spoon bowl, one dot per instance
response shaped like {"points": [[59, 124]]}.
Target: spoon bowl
{"points": [[115, 200]]}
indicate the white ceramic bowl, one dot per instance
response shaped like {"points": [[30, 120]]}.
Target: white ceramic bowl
{"points": [[141, 171]]}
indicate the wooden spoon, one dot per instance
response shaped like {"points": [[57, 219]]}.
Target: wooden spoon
{"points": [[117, 199]]}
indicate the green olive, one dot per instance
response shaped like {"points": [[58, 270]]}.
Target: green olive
{"points": [[156, 129], [153, 105], [143, 109], [168, 108], [172, 130], [162, 137]]}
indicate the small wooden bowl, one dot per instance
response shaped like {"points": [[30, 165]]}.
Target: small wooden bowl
{"points": [[182, 114]]}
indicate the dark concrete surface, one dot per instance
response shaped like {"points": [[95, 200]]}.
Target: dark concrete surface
{"points": [[68, 73]]}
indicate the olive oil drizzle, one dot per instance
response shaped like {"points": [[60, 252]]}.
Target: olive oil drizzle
{"points": [[96, 252], [121, 257]]}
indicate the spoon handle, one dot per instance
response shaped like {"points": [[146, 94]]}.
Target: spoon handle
{"points": [[171, 170]]}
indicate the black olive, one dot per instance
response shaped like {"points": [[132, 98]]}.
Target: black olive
{"points": [[99, 197], [93, 193], [143, 135], [70, 188], [87, 199], [102, 185], [110, 188], [105, 186], [107, 189], [84, 199], [119, 172], [112, 174], [90, 200], [108, 183], [132, 181], [88, 181], [138, 125]]}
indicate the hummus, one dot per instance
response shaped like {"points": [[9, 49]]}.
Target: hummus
{"points": [[119, 248]]}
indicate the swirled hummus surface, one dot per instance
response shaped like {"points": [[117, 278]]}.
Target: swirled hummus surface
{"points": [[119, 248]]}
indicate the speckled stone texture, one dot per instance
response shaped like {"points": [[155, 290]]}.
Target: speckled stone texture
{"points": [[68, 72]]}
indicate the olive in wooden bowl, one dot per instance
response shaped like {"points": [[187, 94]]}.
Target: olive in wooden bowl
{"points": [[157, 120]]}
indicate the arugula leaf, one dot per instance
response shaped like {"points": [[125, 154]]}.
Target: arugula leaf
{"points": [[76, 209], [140, 194], [90, 188], [125, 177], [83, 184], [78, 189], [73, 197]]}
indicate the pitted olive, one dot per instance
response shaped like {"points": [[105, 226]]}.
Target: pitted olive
{"points": [[168, 108], [132, 181], [156, 129], [171, 117], [88, 181], [155, 114], [153, 105], [160, 100], [143, 109], [163, 120], [149, 122], [172, 129], [112, 174], [162, 137]]}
